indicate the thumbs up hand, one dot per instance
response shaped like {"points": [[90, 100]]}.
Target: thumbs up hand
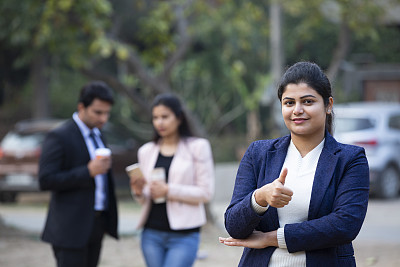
{"points": [[274, 194], [282, 177]]}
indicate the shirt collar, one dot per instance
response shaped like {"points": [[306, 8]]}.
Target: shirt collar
{"points": [[83, 127], [315, 152]]}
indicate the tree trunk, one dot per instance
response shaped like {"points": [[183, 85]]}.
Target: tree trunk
{"points": [[277, 59], [253, 125], [40, 86], [276, 41], [341, 51]]}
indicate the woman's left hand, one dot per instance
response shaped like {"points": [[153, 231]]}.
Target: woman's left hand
{"points": [[256, 240], [158, 189]]}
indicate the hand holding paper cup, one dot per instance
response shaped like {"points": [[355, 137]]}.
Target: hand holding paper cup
{"points": [[101, 163], [158, 175], [102, 152], [136, 177]]}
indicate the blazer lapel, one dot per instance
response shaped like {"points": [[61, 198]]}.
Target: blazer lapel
{"points": [[103, 139], [275, 160], [273, 166], [174, 167], [152, 160], [323, 174], [80, 138]]}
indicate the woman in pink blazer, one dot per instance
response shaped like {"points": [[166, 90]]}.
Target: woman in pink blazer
{"points": [[171, 227]]}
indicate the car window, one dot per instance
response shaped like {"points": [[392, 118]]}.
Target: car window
{"points": [[16, 141], [353, 124], [394, 122]]}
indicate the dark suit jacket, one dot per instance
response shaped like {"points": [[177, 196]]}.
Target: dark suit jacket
{"points": [[337, 208], [63, 170]]}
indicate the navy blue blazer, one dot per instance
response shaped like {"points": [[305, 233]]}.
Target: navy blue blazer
{"points": [[338, 204], [63, 170]]}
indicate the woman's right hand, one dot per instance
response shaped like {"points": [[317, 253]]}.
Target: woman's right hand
{"points": [[137, 185], [274, 194], [256, 240]]}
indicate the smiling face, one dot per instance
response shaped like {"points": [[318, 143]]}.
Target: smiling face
{"points": [[165, 121], [303, 111]]}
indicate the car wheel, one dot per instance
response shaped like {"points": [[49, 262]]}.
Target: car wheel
{"points": [[389, 184], [8, 197]]}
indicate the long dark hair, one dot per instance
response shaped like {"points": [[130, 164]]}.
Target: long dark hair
{"points": [[312, 75], [172, 102]]}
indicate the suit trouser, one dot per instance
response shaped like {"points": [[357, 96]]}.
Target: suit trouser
{"points": [[87, 256]]}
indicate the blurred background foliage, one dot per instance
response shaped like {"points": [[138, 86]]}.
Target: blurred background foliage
{"points": [[215, 54]]}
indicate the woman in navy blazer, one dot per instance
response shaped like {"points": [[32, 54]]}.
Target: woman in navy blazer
{"points": [[338, 191]]}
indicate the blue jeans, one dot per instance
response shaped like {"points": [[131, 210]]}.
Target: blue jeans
{"points": [[169, 249]]}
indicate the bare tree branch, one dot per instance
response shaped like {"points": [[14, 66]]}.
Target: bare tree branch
{"points": [[341, 51], [145, 76], [120, 87], [185, 41], [227, 118], [159, 83]]}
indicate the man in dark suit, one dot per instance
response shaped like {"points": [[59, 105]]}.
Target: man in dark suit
{"points": [[83, 203]]}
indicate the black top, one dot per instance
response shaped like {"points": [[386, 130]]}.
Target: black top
{"points": [[158, 218]]}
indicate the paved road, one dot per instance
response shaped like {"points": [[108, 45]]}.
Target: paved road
{"points": [[377, 244], [382, 222]]}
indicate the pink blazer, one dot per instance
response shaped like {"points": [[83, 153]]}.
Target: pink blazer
{"points": [[190, 182]]}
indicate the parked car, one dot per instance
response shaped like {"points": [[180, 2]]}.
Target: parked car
{"points": [[376, 127], [20, 152]]}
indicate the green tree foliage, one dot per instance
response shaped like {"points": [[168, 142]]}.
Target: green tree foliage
{"points": [[210, 54], [64, 28], [326, 31], [229, 54], [45, 35]]}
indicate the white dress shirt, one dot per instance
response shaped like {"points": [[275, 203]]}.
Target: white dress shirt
{"points": [[100, 194]]}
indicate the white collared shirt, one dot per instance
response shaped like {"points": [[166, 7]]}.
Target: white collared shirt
{"points": [[99, 179], [300, 179]]}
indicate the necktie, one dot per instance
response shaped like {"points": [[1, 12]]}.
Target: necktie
{"points": [[93, 137], [104, 176]]}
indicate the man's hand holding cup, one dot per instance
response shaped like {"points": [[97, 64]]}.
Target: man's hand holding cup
{"points": [[101, 163]]}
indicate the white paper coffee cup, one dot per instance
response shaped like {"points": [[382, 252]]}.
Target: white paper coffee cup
{"points": [[158, 174], [102, 152]]}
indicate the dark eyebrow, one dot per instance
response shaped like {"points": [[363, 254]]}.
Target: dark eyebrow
{"points": [[304, 96], [289, 98]]}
